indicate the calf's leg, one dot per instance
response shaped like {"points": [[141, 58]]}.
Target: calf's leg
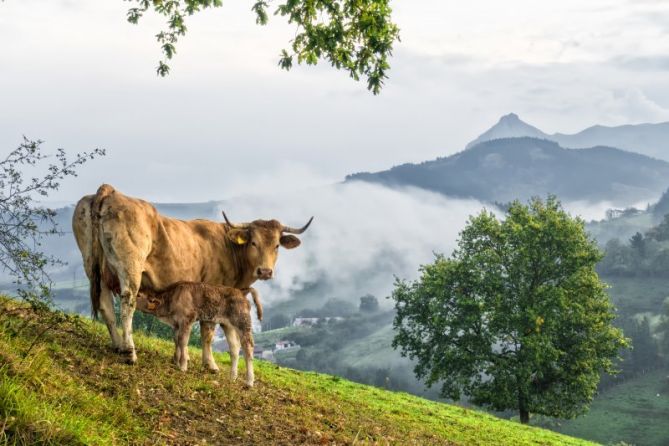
{"points": [[176, 358], [183, 336], [233, 342], [247, 345], [207, 331]]}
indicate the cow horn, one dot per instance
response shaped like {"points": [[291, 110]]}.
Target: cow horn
{"points": [[232, 225], [290, 230]]}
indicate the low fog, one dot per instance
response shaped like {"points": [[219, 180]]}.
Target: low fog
{"points": [[362, 235]]}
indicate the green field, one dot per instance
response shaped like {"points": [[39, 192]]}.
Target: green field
{"points": [[373, 350], [636, 412], [62, 385]]}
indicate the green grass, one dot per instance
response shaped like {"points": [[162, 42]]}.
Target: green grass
{"points": [[373, 351], [72, 389], [636, 412]]}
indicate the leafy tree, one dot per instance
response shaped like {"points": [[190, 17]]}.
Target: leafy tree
{"points": [[661, 208], [663, 329], [644, 353], [517, 318], [369, 303], [661, 231], [24, 222], [638, 244], [354, 35], [617, 260]]}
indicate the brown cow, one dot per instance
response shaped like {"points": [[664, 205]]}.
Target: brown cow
{"points": [[184, 303], [127, 245]]}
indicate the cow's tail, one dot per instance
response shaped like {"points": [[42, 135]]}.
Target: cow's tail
{"points": [[96, 247], [256, 300]]}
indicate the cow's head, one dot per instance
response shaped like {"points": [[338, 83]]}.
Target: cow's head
{"points": [[260, 241]]}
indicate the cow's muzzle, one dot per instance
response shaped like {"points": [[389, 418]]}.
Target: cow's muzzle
{"points": [[264, 273]]}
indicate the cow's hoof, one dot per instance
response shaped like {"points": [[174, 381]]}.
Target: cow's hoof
{"points": [[248, 384], [130, 356], [213, 368]]}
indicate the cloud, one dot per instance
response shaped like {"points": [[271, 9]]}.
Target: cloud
{"points": [[363, 235], [632, 106]]}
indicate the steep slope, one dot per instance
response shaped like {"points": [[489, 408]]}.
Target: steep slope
{"points": [[519, 168], [509, 126], [60, 384], [648, 139]]}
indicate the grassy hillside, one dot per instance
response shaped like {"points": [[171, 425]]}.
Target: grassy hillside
{"points": [[635, 412], [61, 384]]}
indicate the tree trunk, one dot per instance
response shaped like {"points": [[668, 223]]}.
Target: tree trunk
{"points": [[522, 408]]}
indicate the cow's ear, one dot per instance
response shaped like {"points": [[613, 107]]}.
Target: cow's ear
{"points": [[238, 236], [289, 241]]}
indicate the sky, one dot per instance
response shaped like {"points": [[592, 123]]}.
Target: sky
{"points": [[228, 122]]}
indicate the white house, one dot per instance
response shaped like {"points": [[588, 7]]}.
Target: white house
{"points": [[285, 345]]}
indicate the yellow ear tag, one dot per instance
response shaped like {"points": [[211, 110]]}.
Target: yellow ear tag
{"points": [[151, 305], [240, 240]]}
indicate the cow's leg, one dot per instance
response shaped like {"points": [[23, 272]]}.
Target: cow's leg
{"points": [[207, 331], [247, 345], [233, 342], [107, 312], [130, 281], [127, 312]]}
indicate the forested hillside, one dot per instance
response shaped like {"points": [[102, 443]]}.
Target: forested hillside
{"points": [[507, 169]]}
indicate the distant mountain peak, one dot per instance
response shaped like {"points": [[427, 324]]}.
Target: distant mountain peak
{"points": [[510, 118], [508, 126]]}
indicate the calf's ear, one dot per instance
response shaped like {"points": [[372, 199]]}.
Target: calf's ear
{"points": [[238, 236], [289, 241]]}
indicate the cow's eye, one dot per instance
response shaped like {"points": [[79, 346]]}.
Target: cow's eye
{"points": [[276, 247], [254, 244]]}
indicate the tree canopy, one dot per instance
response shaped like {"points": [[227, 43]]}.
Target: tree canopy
{"points": [[517, 318], [353, 35]]}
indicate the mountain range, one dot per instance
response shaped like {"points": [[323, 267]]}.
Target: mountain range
{"points": [[509, 168], [648, 139]]}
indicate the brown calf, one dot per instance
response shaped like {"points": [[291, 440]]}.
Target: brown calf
{"points": [[182, 304]]}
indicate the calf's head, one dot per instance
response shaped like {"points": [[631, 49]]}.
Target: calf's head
{"points": [[260, 241]]}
